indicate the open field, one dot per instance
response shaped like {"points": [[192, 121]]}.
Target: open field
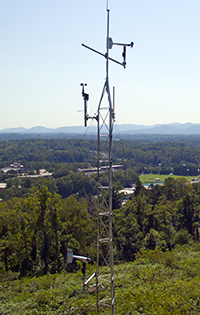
{"points": [[150, 178]]}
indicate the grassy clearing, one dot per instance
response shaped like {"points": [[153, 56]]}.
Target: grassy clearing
{"points": [[156, 283], [150, 178]]}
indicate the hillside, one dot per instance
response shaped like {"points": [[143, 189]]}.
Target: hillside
{"points": [[155, 283], [155, 231]]}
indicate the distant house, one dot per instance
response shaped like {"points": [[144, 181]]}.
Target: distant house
{"points": [[194, 180], [42, 173], [127, 191], [18, 168], [2, 186]]}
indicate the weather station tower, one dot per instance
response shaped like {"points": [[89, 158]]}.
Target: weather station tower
{"points": [[105, 117]]}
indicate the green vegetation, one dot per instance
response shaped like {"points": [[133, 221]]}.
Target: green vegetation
{"points": [[156, 232], [36, 231], [155, 157], [155, 283]]}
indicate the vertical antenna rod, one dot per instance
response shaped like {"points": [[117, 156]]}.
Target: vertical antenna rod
{"points": [[107, 6]]}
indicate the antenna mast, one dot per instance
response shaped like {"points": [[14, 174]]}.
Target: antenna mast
{"points": [[105, 121]]}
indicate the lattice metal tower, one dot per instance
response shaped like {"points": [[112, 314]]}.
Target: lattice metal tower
{"points": [[105, 120]]}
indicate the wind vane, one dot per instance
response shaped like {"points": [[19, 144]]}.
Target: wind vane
{"points": [[110, 44]]}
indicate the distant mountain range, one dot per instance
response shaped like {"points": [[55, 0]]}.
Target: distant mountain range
{"points": [[167, 129]]}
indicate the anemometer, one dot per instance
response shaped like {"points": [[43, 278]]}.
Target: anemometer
{"points": [[109, 45]]}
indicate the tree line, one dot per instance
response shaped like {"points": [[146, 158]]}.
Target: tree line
{"points": [[179, 157], [36, 231]]}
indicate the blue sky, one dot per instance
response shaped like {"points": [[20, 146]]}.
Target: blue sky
{"points": [[42, 62]]}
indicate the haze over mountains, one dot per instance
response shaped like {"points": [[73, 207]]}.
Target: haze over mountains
{"points": [[168, 129]]}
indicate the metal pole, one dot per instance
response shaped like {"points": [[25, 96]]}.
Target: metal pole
{"points": [[98, 209], [110, 170], [114, 102], [102, 231]]}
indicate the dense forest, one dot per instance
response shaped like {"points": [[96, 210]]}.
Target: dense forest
{"points": [[41, 217], [36, 231], [158, 156]]}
